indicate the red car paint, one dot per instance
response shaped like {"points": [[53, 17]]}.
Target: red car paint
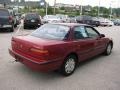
{"points": [[48, 55]]}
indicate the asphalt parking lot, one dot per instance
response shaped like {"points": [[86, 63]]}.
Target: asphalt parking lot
{"points": [[99, 73]]}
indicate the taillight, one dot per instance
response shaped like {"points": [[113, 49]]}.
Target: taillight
{"points": [[41, 55], [39, 51], [10, 18]]}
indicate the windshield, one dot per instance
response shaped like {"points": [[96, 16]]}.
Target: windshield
{"points": [[52, 31]]}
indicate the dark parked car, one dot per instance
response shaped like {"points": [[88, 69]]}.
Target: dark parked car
{"points": [[59, 47], [6, 20], [32, 20], [117, 22], [88, 20]]}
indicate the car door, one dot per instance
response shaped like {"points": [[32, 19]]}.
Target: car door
{"points": [[83, 44], [94, 35]]}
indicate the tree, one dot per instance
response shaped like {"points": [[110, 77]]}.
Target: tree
{"points": [[62, 8], [50, 10]]}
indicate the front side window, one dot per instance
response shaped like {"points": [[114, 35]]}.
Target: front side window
{"points": [[91, 32], [52, 31], [80, 33]]}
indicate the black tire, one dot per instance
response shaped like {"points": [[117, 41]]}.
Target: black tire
{"points": [[12, 29], [25, 27], [71, 59], [15, 25], [108, 49]]}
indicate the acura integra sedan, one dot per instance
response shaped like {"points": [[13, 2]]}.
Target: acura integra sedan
{"points": [[59, 47]]}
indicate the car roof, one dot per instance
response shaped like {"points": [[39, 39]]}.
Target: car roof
{"points": [[71, 24]]}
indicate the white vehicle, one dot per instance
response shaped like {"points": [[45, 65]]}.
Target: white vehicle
{"points": [[64, 18], [52, 19], [106, 22]]}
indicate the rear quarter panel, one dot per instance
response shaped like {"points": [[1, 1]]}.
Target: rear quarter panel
{"points": [[60, 51]]}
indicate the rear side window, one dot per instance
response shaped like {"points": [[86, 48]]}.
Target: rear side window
{"points": [[4, 13], [80, 33], [32, 16]]}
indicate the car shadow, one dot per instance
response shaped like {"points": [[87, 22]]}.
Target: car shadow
{"points": [[89, 60], [39, 76]]}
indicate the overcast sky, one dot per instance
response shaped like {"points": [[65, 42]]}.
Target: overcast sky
{"points": [[106, 3]]}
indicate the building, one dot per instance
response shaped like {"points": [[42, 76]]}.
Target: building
{"points": [[59, 5]]}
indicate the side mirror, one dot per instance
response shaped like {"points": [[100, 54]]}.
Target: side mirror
{"points": [[102, 35]]}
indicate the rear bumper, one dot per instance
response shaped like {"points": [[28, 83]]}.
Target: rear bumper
{"points": [[44, 66], [32, 24]]}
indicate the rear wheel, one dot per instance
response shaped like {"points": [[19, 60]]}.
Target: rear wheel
{"points": [[12, 29], [69, 65]]}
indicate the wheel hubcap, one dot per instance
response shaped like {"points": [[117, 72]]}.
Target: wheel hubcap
{"points": [[70, 65], [109, 49]]}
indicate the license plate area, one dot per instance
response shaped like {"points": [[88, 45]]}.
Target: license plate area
{"points": [[18, 59], [33, 21]]}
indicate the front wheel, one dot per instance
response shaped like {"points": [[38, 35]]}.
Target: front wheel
{"points": [[69, 65], [108, 49]]}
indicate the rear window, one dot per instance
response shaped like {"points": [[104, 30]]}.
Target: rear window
{"points": [[84, 18], [52, 31], [4, 13], [32, 16]]}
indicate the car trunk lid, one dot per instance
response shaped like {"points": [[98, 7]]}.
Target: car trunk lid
{"points": [[32, 46]]}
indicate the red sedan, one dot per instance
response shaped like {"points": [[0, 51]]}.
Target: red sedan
{"points": [[59, 47]]}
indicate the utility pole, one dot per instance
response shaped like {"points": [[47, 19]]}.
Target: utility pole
{"points": [[111, 10], [81, 10], [46, 6], [17, 6], [99, 9], [54, 7]]}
